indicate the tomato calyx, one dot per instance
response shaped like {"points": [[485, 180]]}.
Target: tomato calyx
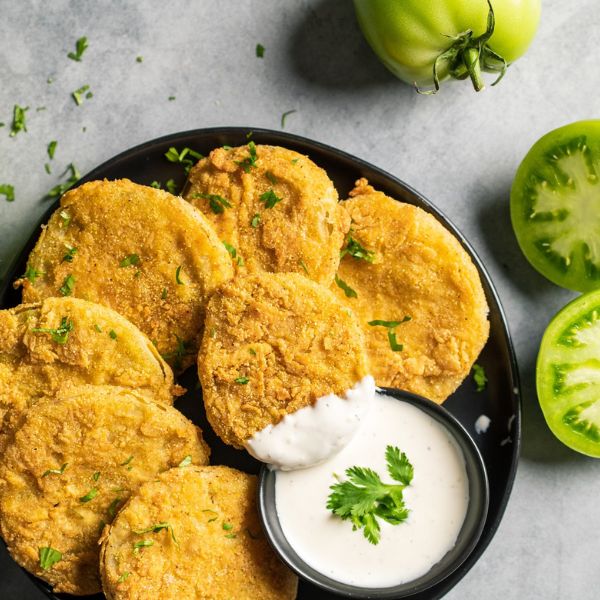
{"points": [[468, 56]]}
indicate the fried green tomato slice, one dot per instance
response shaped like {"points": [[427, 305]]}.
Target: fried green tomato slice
{"points": [[71, 464], [193, 533], [68, 341], [143, 252], [416, 292], [276, 210], [273, 344]]}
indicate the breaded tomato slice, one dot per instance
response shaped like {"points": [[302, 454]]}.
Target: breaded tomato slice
{"points": [[143, 252], [277, 210], [71, 464], [417, 294], [193, 533]]}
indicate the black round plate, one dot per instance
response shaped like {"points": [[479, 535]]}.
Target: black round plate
{"points": [[500, 401]]}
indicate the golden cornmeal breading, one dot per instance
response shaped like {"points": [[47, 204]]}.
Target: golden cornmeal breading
{"points": [[145, 253], [37, 357], [419, 270], [302, 232], [211, 546], [286, 340], [107, 441]]}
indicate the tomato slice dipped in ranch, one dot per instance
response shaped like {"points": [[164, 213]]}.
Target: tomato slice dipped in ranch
{"points": [[555, 206], [568, 374]]}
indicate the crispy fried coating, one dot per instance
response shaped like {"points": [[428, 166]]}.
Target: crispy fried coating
{"points": [[141, 251], [36, 360], [420, 270], [274, 343], [283, 213], [107, 441], [211, 545]]}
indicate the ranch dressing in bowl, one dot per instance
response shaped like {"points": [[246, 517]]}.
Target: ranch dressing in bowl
{"points": [[437, 498]]}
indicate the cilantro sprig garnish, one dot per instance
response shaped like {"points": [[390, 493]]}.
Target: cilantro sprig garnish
{"points": [[364, 497], [479, 377], [355, 249], [183, 158], [81, 45], [217, 203], [61, 334], [391, 326], [250, 161], [270, 198]]}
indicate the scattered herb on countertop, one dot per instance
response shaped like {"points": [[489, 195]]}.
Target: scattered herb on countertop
{"points": [[350, 293], [48, 557], [81, 93], [270, 198], [61, 188], [8, 191], [52, 149], [284, 116], [81, 45], [139, 59], [19, 122], [217, 203], [55, 471], [364, 498], [61, 334], [479, 377], [260, 51]]}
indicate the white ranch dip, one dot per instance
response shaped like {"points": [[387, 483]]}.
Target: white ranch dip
{"points": [[314, 433], [437, 499]]}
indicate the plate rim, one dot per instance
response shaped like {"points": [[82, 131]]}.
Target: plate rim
{"points": [[516, 433]]}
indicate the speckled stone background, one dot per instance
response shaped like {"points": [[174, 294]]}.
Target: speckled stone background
{"points": [[459, 149]]}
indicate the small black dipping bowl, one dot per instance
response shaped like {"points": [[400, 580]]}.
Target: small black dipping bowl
{"points": [[465, 543]]}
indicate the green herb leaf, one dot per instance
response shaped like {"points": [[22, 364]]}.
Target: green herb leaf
{"points": [[171, 187], [186, 462], [126, 461], [78, 95], [139, 59], [142, 544], [8, 191], [89, 496], [156, 185], [252, 351], [231, 536], [212, 512], [32, 274], [71, 251], [479, 377], [232, 251], [164, 293], [48, 557], [183, 158], [357, 250], [227, 526], [250, 161], [271, 177], [182, 349], [112, 334], [270, 198], [96, 476], [305, 269], [131, 259], [52, 149], [285, 115], [389, 324], [350, 293], [68, 285], [97, 328], [364, 498], [81, 46], [153, 528], [178, 276], [242, 380], [61, 334], [171, 98], [61, 188], [19, 122], [255, 221], [66, 218], [260, 51], [123, 577], [55, 471], [112, 509], [217, 203], [394, 345]]}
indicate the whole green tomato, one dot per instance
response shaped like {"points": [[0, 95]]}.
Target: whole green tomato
{"points": [[426, 41]]}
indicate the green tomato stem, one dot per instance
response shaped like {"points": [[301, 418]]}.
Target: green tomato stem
{"points": [[470, 57]]}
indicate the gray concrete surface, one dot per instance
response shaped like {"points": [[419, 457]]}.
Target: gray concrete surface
{"points": [[458, 148]]}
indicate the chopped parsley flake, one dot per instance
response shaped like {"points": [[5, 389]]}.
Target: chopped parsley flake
{"points": [[97, 328], [8, 191], [47, 168], [48, 557], [242, 380], [270, 198], [112, 334], [65, 217], [61, 188], [231, 536], [350, 293], [212, 512], [171, 187], [250, 160], [67, 287], [55, 471], [217, 203], [284, 116], [178, 276], [271, 177], [131, 259], [173, 155], [19, 122], [52, 149], [171, 98], [186, 462], [142, 544], [81, 46], [164, 294], [356, 250], [391, 325], [255, 221], [139, 59], [156, 185], [394, 345], [479, 377], [112, 509], [78, 95], [32, 274], [60, 335], [89, 496], [127, 461], [260, 51], [232, 251], [252, 351], [126, 574], [71, 251], [303, 265], [156, 528], [96, 476], [227, 526]]}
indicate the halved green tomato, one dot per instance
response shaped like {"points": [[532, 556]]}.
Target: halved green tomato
{"points": [[555, 206], [568, 374]]}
